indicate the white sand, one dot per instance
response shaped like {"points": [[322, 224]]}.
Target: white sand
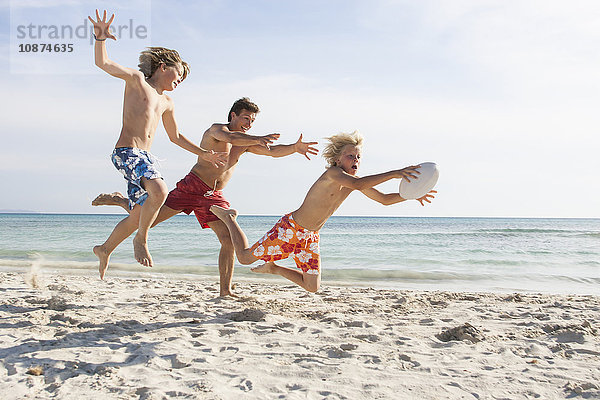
{"points": [[154, 338]]}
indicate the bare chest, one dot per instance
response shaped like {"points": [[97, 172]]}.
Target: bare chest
{"points": [[144, 102]]}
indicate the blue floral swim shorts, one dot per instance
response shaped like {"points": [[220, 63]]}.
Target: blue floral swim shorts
{"points": [[135, 164]]}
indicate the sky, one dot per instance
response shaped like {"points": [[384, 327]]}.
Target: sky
{"points": [[502, 95]]}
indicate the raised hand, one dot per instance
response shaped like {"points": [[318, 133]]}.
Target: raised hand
{"points": [[427, 197], [409, 172], [305, 148], [101, 26]]}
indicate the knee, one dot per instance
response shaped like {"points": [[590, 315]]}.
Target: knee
{"points": [[162, 193], [157, 190], [246, 258]]}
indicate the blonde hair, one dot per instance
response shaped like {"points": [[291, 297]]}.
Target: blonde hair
{"points": [[152, 57], [337, 142]]}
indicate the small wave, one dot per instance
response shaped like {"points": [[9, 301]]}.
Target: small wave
{"points": [[526, 230], [493, 262], [595, 235], [382, 274], [590, 263]]}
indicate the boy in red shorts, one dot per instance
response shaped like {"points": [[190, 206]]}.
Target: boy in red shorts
{"points": [[202, 187]]}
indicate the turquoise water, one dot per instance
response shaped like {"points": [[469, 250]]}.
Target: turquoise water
{"points": [[466, 254]]}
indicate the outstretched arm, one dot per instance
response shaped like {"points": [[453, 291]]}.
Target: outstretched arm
{"points": [[384, 198], [223, 134], [392, 198], [356, 183], [102, 32], [282, 150], [215, 158]]}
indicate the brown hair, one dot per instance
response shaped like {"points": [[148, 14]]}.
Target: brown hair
{"points": [[152, 57], [242, 104], [333, 149]]}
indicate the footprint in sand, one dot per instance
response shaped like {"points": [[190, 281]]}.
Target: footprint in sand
{"points": [[227, 332], [64, 318], [337, 352], [357, 324], [230, 350], [178, 361], [246, 385], [407, 362], [249, 314], [368, 338], [57, 303]]}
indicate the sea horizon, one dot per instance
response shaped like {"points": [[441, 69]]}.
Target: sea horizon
{"points": [[25, 212]]}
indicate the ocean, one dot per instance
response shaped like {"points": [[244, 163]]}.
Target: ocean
{"points": [[458, 254]]}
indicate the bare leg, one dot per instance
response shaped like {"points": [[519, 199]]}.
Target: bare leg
{"points": [[239, 239], [305, 280], [157, 194], [117, 199], [123, 230], [226, 257], [164, 214], [112, 199]]}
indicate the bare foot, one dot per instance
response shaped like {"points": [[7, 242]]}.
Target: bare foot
{"points": [[223, 213], [266, 268], [103, 256], [228, 293], [111, 199], [141, 253]]}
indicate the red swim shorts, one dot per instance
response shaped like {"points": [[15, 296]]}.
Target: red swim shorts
{"points": [[192, 194]]}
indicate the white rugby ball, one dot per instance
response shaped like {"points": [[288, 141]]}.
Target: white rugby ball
{"points": [[419, 187]]}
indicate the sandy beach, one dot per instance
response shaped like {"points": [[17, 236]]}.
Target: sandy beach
{"points": [[74, 337]]}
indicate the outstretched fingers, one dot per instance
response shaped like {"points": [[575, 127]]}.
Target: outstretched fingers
{"points": [[102, 26], [306, 148], [311, 151], [409, 172], [218, 158], [427, 197]]}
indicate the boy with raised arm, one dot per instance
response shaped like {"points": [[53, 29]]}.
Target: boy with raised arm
{"points": [[297, 234], [144, 104], [203, 186]]}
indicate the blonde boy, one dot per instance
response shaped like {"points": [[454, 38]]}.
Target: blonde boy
{"points": [[144, 104], [297, 234]]}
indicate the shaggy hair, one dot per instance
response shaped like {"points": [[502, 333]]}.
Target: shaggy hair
{"points": [[337, 142], [242, 104], [152, 57]]}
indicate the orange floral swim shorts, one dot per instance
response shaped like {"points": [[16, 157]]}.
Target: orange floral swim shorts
{"points": [[286, 239]]}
